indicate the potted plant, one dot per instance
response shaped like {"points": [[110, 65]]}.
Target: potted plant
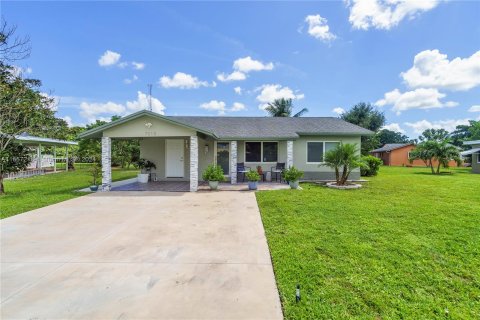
{"points": [[252, 177], [213, 174], [145, 166], [292, 175], [95, 172]]}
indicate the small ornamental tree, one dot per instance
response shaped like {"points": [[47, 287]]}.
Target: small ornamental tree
{"points": [[343, 159], [13, 158], [435, 146]]}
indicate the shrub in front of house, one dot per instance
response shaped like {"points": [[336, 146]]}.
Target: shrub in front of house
{"points": [[252, 176], [292, 175], [213, 173], [371, 167]]}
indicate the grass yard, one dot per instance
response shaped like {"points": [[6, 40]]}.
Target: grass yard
{"points": [[406, 246], [36, 192]]}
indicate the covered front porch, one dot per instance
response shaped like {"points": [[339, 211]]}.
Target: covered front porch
{"points": [[184, 186], [181, 152]]}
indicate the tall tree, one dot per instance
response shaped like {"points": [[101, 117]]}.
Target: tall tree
{"points": [[365, 115], [283, 108], [388, 136], [12, 47], [465, 133]]}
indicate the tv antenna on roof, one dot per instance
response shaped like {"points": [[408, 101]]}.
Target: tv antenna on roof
{"points": [[149, 97]]}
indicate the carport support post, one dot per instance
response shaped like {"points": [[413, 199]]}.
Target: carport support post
{"points": [[233, 162], [193, 163], [106, 163], [289, 154]]}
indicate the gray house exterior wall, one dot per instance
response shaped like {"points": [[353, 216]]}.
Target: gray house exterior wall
{"points": [[476, 160]]}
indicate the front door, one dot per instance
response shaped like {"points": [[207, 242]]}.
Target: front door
{"points": [[174, 158], [223, 157]]}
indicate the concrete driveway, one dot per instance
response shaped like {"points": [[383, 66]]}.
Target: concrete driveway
{"points": [[138, 255]]}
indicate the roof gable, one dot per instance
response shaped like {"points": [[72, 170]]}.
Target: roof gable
{"points": [[115, 129]]}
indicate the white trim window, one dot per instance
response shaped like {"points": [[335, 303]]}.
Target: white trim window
{"points": [[478, 157], [261, 151], [316, 150]]}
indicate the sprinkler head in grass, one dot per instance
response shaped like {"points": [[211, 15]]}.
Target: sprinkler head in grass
{"points": [[297, 294]]}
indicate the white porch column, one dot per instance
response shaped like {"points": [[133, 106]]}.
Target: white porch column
{"points": [[106, 164], [39, 156], [54, 158], [193, 163], [233, 162], [289, 153], [66, 158]]}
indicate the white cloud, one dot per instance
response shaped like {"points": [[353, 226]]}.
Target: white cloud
{"points": [[241, 67], [393, 127], [183, 81], [214, 105], [270, 92], [318, 28], [237, 106], [142, 103], [432, 69], [101, 111], [138, 65], [130, 80], [385, 14], [338, 110], [91, 111], [68, 120], [19, 71], [449, 125], [416, 99], [248, 64], [109, 58], [234, 76], [238, 90], [221, 107], [475, 108]]}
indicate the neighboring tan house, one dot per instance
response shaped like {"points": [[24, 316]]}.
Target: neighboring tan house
{"points": [[182, 146], [475, 152], [398, 154]]}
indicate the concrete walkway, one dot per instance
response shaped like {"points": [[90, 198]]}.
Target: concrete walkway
{"points": [[139, 255]]}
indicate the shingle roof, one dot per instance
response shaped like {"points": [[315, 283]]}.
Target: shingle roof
{"points": [[247, 127], [272, 127], [391, 146]]}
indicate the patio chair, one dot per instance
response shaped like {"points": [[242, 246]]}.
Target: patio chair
{"points": [[242, 169], [277, 170]]}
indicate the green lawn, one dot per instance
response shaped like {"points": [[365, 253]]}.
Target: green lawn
{"points": [[36, 192], [406, 246]]}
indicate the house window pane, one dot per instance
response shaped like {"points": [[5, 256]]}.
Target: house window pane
{"points": [[331, 145], [253, 151], [270, 151], [314, 151]]}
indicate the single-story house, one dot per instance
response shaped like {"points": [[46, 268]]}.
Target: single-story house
{"points": [[183, 146], [475, 152], [398, 154]]}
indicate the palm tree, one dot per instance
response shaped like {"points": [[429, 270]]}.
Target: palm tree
{"points": [[343, 159], [283, 108]]}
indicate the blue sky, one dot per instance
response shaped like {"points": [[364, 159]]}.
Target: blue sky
{"points": [[419, 61]]}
